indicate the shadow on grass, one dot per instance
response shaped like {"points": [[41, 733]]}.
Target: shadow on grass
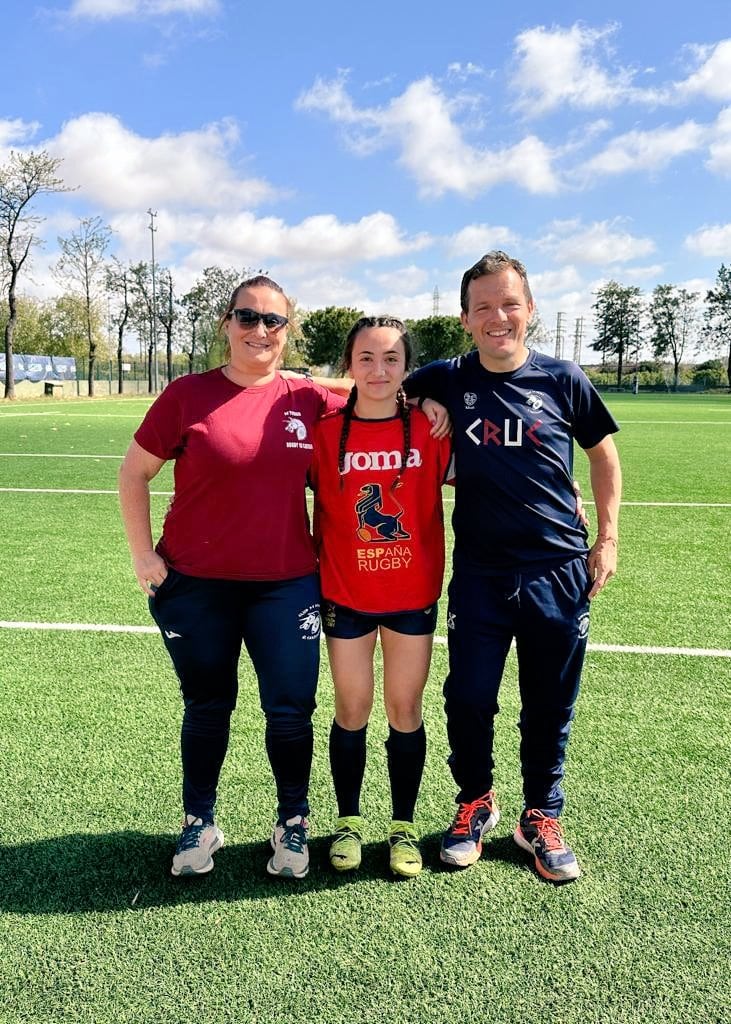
{"points": [[131, 871]]}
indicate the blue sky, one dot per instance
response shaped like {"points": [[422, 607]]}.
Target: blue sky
{"points": [[365, 154]]}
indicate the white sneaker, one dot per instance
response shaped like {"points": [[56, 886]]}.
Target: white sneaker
{"points": [[291, 857], [197, 843]]}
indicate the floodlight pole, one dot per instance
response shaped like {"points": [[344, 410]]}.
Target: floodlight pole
{"points": [[153, 229]]}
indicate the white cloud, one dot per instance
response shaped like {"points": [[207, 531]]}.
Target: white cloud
{"points": [[653, 272], [561, 66], [105, 10], [720, 148], [549, 282], [645, 151], [476, 239], [15, 133], [602, 242], [405, 279], [117, 169], [711, 241], [713, 78], [465, 71], [421, 124], [242, 239]]}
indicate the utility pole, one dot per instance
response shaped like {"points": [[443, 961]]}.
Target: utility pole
{"points": [[578, 338], [153, 229], [559, 335], [435, 301]]}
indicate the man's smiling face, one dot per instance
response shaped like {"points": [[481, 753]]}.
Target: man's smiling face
{"points": [[497, 318]]}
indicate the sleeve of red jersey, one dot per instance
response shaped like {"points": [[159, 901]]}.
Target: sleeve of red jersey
{"points": [[160, 431]]}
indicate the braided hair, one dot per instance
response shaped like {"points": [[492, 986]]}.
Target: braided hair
{"points": [[404, 410]]}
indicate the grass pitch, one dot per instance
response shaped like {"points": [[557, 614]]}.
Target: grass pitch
{"points": [[95, 929]]}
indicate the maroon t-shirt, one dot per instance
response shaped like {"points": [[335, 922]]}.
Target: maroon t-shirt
{"points": [[241, 459]]}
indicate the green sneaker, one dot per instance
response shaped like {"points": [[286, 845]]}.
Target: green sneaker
{"points": [[346, 844], [403, 840]]}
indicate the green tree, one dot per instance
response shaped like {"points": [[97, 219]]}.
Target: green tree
{"points": [[324, 332], [194, 307], [67, 328], [23, 179], [711, 374], [717, 317], [438, 337], [82, 263], [31, 328], [673, 313], [618, 322]]}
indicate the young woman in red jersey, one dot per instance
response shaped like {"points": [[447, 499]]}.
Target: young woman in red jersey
{"points": [[235, 564], [377, 473]]}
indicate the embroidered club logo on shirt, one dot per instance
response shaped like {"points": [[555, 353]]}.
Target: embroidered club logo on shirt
{"points": [[293, 425]]}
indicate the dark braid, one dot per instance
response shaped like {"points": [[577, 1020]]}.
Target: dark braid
{"points": [[404, 412], [345, 430]]}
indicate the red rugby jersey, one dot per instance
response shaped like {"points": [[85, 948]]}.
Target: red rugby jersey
{"points": [[241, 458], [380, 550]]}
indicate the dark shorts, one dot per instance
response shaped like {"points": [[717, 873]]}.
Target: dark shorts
{"points": [[346, 624]]}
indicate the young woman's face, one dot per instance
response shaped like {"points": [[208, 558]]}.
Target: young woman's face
{"points": [[256, 349], [378, 363]]}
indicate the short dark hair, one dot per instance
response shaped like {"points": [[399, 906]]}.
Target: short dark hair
{"points": [[492, 263]]}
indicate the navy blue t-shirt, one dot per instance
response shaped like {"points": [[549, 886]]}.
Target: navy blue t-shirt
{"points": [[515, 507]]}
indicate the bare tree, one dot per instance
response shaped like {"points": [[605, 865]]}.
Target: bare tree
{"points": [[194, 304], [24, 178], [81, 262], [673, 315], [142, 313], [167, 314], [118, 285]]}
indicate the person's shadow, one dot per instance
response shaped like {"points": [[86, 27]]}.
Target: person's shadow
{"points": [[131, 870]]}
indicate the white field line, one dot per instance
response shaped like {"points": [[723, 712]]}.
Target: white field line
{"points": [[680, 423], [168, 494], [53, 455], [73, 415], [92, 627]]}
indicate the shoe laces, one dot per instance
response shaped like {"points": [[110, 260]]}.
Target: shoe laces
{"points": [[294, 837], [190, 837], [404, 839], [549, 830], [463, 819]]}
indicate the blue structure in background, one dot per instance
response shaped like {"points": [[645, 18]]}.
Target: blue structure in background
{"points": [[40, 368]]}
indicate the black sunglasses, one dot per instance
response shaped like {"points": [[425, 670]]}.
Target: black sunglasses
{"points": [[250, 318]]}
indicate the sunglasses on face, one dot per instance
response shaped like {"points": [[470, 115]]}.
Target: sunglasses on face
{"points": [[249, 318]]}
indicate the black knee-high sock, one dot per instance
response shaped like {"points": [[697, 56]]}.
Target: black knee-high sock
{"points": [[347, 763], [406, 756]]}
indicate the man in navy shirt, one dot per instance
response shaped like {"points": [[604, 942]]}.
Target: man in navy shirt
{"points": [[522, 567]]}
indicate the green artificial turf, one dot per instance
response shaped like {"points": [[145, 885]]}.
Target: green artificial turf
{"points": [[94, 929]]}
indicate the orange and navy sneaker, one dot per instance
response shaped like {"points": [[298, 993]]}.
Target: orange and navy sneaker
{"points": [[543, 837], [462, 844]]}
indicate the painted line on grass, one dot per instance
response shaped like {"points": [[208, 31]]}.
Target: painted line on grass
{"points": [[74, 415], [93, 627], [168, 494], [53, 455]]}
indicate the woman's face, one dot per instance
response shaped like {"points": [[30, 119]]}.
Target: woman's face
{"points": [[378, 363], [256, 349]]}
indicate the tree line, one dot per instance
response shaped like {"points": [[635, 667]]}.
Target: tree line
{"points": [[141, 301], [671, 320]]}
